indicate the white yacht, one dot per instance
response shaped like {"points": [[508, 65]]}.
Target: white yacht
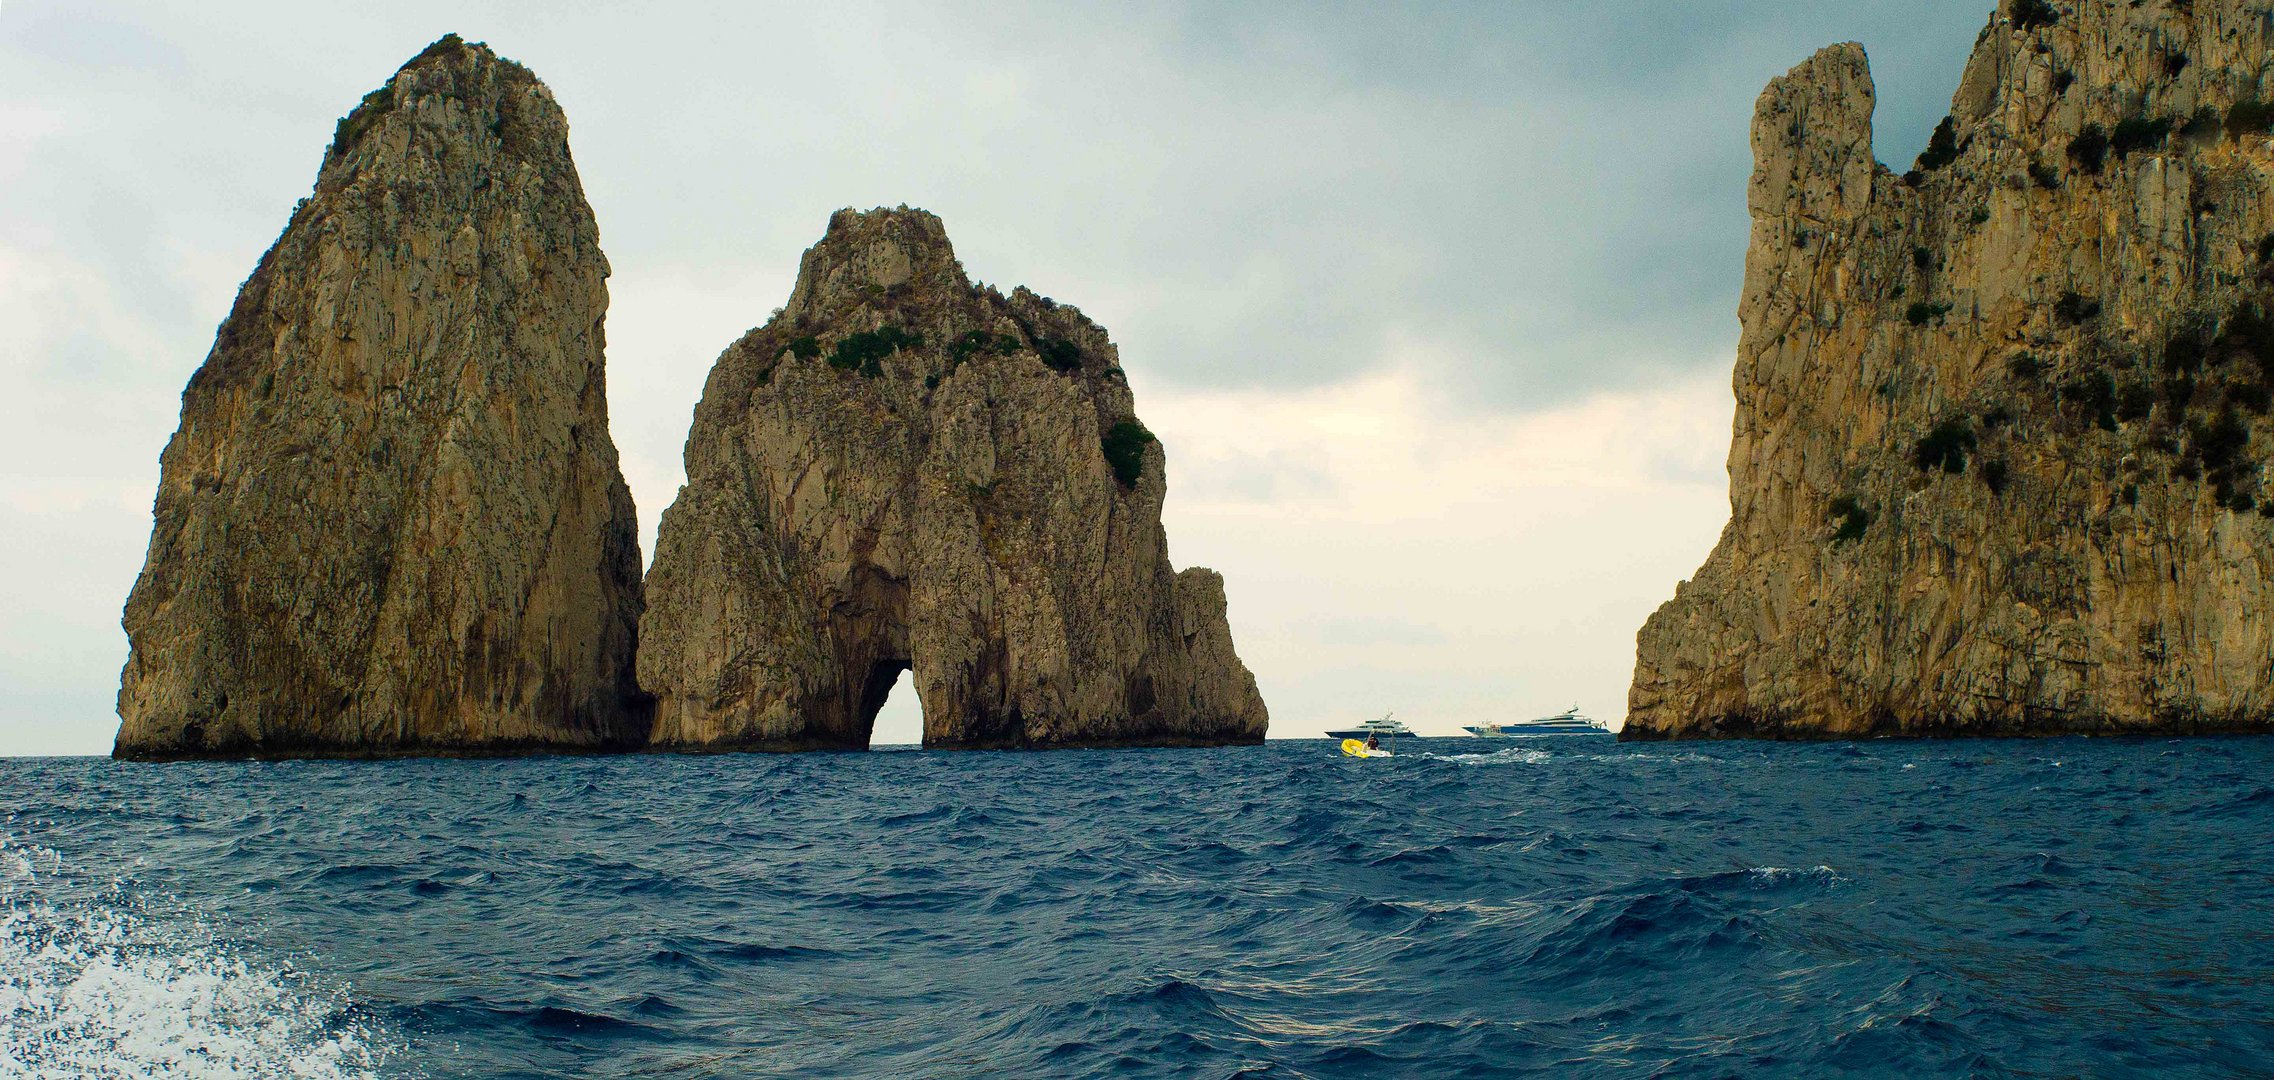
{"points": [[1385, 728], [1567, 722]]}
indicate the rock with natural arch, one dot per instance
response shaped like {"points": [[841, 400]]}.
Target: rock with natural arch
{"points": [[903, 471]]}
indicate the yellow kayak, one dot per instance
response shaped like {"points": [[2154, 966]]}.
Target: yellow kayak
{"points": [[1357, 748]]}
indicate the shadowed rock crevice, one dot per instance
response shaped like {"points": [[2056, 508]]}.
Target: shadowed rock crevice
{"points": [[868, 634], [903, 469], [2002, 421], [391, 521]]}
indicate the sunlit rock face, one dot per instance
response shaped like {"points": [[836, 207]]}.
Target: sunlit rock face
{"points": [[901, 470], [1997, 465], [391, 521]]}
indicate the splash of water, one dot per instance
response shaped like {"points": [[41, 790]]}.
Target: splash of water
{"points": [[1514, 755], [94, 985]]}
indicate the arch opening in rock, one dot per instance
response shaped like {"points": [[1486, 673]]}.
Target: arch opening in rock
{"points": [[867, 631], [900, 721], [903, 468]]}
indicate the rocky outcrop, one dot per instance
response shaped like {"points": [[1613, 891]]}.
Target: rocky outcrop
{"points": [[2000, 421], [902, 470], [391, 521]]}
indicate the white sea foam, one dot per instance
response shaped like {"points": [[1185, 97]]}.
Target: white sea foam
{"points": [[1514, 755], [1686, 758], [94, 987], [1771, 876]]}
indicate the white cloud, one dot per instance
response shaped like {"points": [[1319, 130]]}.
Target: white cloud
{"points": [[1456, 566], [1431, 305], [20, 124], [666, 325], [78, 466]]}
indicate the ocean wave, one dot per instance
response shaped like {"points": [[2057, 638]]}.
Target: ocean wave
{"points": [[90, 987], [1771, 877], [1764, 910], [1514, 755]]}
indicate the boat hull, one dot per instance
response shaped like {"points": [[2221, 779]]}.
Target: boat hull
{"points": [[1519, 731], [1361, 733]]}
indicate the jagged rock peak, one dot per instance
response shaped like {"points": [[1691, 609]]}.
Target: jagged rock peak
{"points": [[863, 253], [902, 471], [2002, 421], [448, 70], [392, 521], [1812, 137]]}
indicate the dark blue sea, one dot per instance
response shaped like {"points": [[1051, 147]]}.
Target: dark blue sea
{"points": [[1562, 906]]}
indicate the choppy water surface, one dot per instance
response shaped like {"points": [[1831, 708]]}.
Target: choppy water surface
{"points": [[2038, 908]]}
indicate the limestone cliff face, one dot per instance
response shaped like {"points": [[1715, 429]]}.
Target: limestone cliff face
{"points": [[2001, 422], [391, 521], [901, 470]]}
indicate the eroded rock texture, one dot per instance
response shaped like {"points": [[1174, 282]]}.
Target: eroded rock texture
{"points": [[901, 470], [391, 521], [2000, 422]]}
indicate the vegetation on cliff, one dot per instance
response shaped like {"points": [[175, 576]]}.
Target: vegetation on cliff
{"points": [[2041, 359]]}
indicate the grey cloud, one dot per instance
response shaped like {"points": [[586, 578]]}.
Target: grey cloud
{"points": [[1547, 197], [1257, 478], [1265, 194]]}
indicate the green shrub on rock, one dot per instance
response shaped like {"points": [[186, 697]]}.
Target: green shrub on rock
{"points": [[1921, 313], [2248, 335], [865, 351], [2139, 133], [2072, 308], [972, 342], [2250, 117], [1945, 446], [2089, 149], [2135, 400], [367, 112], [2095, 393], [1853, 518], [2031, 14], [1994, 476], [1124, 447], [1942, 147], [1062, 355], [975, 342]]}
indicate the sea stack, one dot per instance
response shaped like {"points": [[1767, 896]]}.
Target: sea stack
{"points": [[901, 471], [2001, 420], [391, 521]]}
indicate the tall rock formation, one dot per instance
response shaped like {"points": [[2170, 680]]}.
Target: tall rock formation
{"points": [[391, 521], [2001, 422], [901, 470]]}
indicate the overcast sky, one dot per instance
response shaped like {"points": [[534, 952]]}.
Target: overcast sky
{"points": [[1432, 306]]}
